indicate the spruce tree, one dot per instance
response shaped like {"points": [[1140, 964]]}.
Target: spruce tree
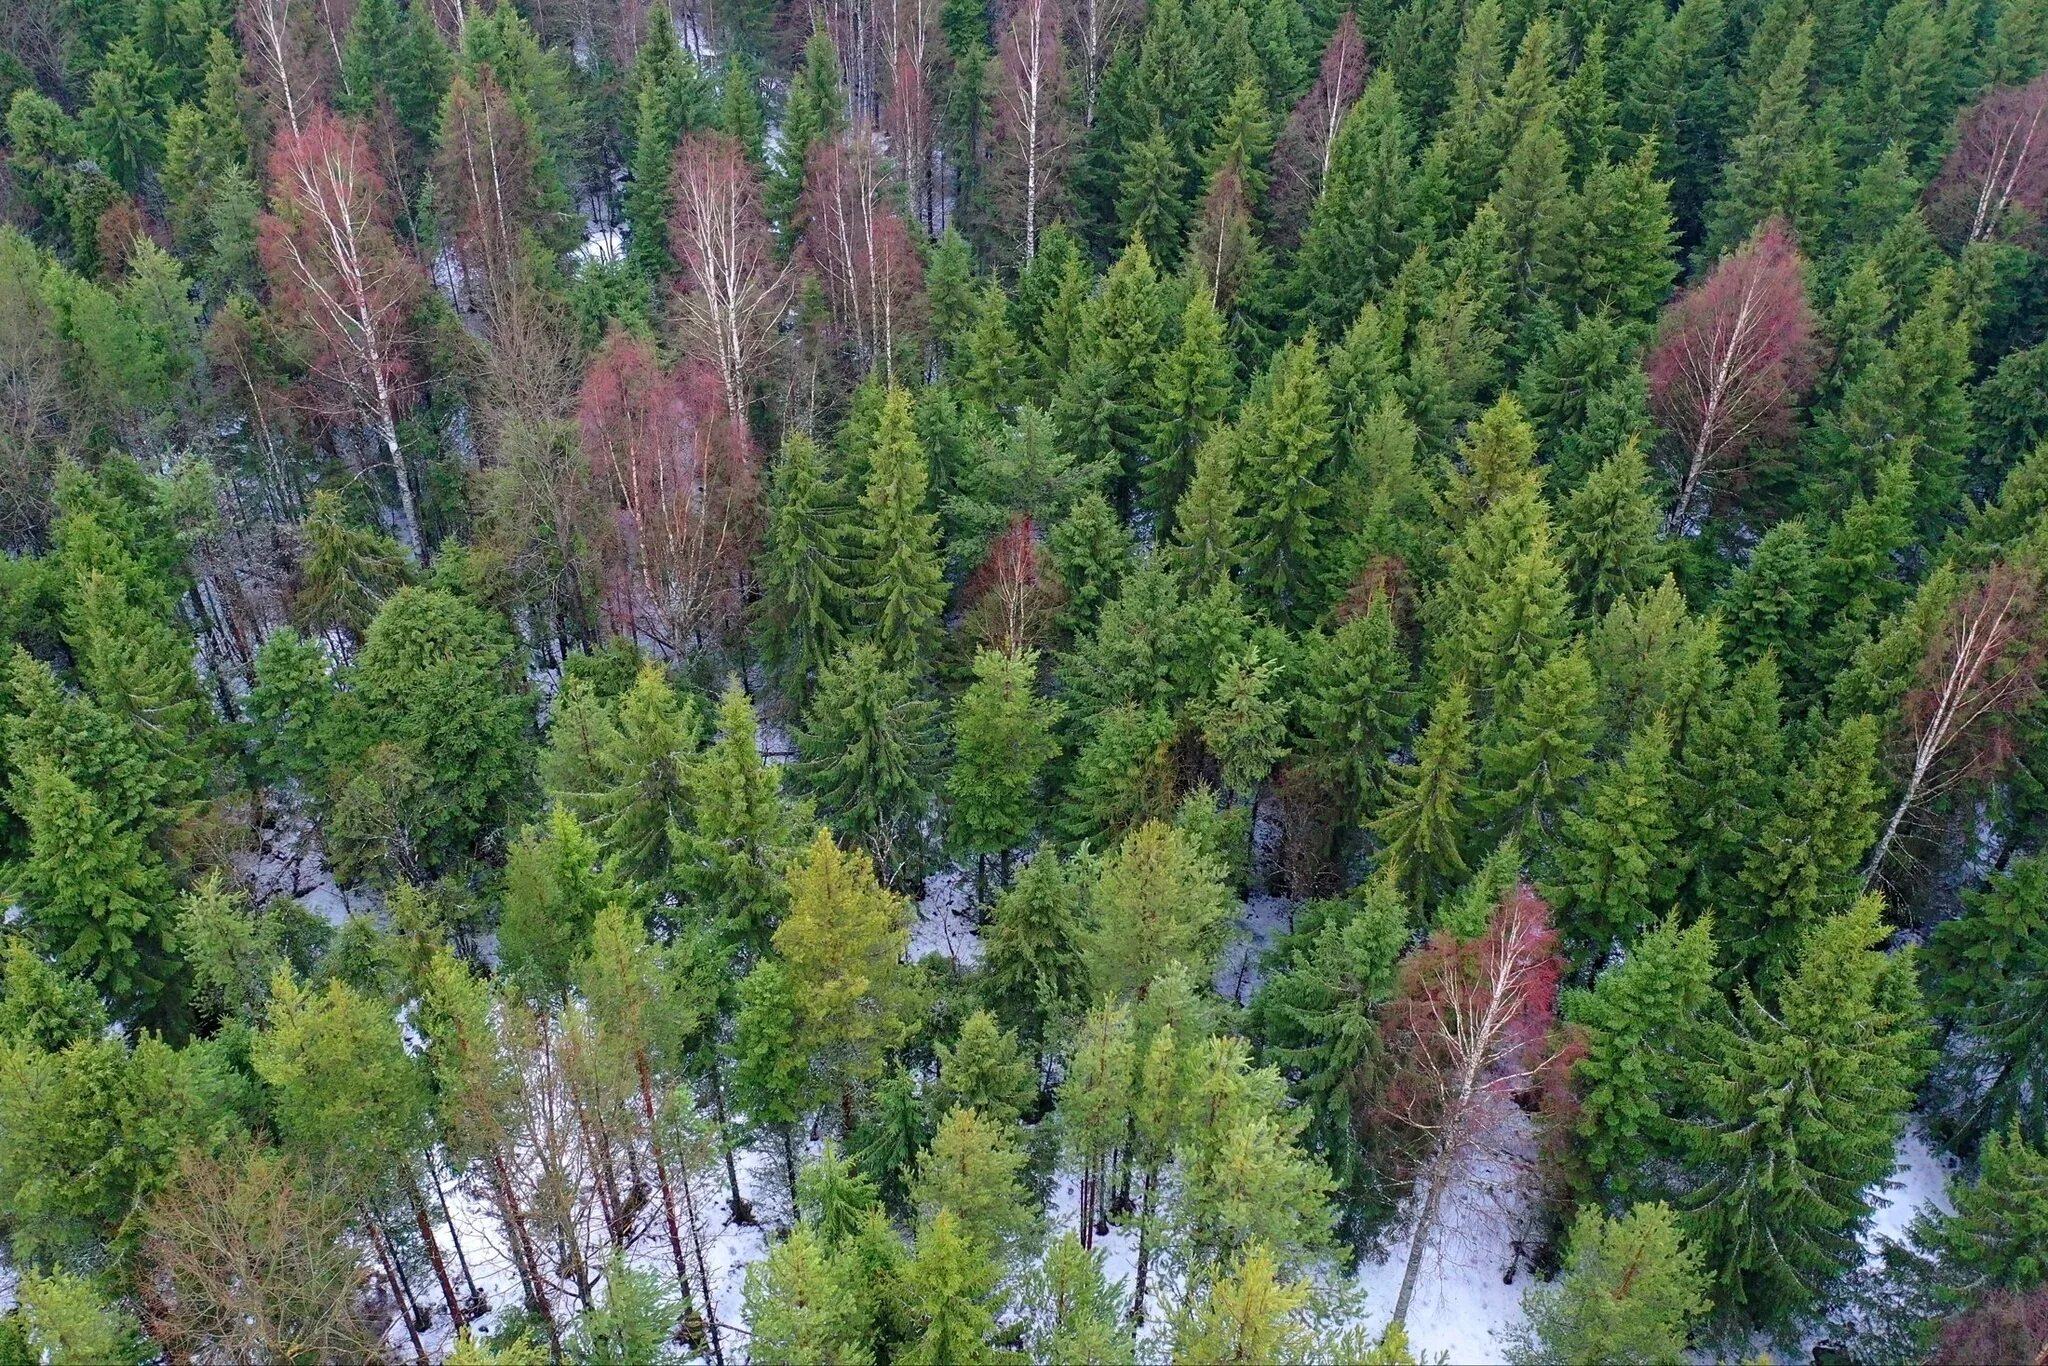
{"points": [[902, 585], [1532, 758], [1423, 825], [1359, 231], [1192, 389], [805, 567], [1612, 868], [1984, 975], [984, 1070], [1998, 1235], [555, 885], [1784, 163], [1355, 704], [1726, 781], [742, 831], [1244, 724], [1608, 527], [868, 751], [1640, 1022], [798, 1304], [1208, 528], [1783, 1169], [1003, 737], [813, 113], [1285, 444], [1032, 950], [1072, 1310]]}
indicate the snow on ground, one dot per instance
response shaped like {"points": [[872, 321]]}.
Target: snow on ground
{"points": [[603, 245], [1919, 1181], [1463, 1308], [1263, 919], [291, 863], [945, 919], [8, 1281]]}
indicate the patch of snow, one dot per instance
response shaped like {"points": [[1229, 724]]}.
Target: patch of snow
{"points": [[604, 245], [8, 1280], [774, 742], [945, 919], [1263, 920], [1464, 1308], [290, 862], [1918, 1184]]}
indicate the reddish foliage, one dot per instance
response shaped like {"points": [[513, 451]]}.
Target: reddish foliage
{"points": [[1734, 356], [1225, 239], [488, 184], [732, 292], [907, 120], [2010, 1325], [858, 244], [1996, 179], [1384, 576], [1010, 593], [1981, 667], [119, 229], [338, 276], [681, 474], [1301, 156], [292, 59], [1030, 103]]}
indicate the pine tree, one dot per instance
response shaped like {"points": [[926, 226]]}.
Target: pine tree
{"points": [[1612, 866], [1246, 1313], [1423, 825], [1640, 1022], [1285, 445], [972, 1171], [868, 752], [805, 568], [1003, 737], [1784, 1167], [1193, 389], [1072, 1310], [1095, 1107], [951, 1286], [902, 586], [1631, 1291], [842, 946]]}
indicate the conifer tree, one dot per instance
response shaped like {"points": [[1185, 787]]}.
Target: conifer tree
{"points": [[902, 586], [1003, 737], [1095, 1107], [1631, 1291], [555, 886], [1783, 1175], [813, 114], [798, 1304], [1807, 857], [1983, 976], [1358, 232], [1640, 1022], [742, 831], [1032, 951], [1285, 444], [1998, 1235], [1208, 528], [1159, 900], [842, 947], [1193, 388], [1091, 551], [1152, 210], [985, 1071], [1072, 1310], [1532, 757], [991, 359], [645, 767], [1612, 867], [972, 1171], [1726, 780], [868, 752], [1422, 827], [1608, 527], [771, 1077], [1244, 724], [1248, 1312], [951, 1287], [805, 567], [1355, 705]]}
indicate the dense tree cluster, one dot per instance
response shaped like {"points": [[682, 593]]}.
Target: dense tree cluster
{"points": [[1081, 658]]}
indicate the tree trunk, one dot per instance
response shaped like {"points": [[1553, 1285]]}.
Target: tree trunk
{"points": [[1425, 1222], [742, 1208], [668, 1195], [523, 1250], [1144, 1247], [476, 1303], [396, 1279], [433, 1246]]}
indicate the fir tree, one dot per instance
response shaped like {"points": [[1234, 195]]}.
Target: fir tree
{"points": [[868, 751], [1983, 976], [1194, 387], [1033, 957], [806, 574]]}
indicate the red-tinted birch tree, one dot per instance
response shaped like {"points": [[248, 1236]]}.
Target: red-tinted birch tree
{"points": [[1301, 157], [1030, 99], [287, 57], [1999, 165], [337, 274], [732, 291], [1096, 25], [1469, 1030], [857, 242], [1734, 356]]}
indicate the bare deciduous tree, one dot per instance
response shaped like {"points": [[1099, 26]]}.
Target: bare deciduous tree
{"points": [[1030, 99], [732, 292], [2000, 163]]}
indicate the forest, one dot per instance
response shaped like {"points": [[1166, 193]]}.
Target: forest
{"points": [[964, 681]]}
